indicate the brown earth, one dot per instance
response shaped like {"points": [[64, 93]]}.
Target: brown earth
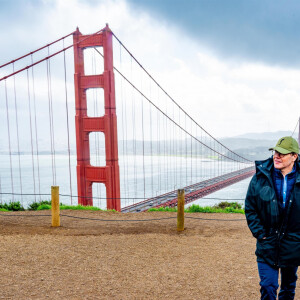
{"points": [[93, 259]]}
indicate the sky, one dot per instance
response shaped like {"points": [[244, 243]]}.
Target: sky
{"points": [[232, 65]]}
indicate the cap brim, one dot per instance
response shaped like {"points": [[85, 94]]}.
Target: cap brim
{"points": [[280, 150]]}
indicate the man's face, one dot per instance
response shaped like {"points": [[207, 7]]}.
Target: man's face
{"points": [[284, 162]]}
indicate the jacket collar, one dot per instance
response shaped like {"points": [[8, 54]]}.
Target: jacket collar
{"points": [[265, 167], [298, 171]]}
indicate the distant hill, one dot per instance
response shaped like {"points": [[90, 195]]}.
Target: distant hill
{"points": [[266, 135], [254, 146]]}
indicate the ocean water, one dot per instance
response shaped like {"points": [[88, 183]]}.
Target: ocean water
{"points": [[141, 177]]}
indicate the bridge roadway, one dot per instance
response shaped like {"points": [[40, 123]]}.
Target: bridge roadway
{"points": [[192, 192]]}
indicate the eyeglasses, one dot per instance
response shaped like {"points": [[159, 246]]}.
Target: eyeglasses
{"points": [[279, 154]]}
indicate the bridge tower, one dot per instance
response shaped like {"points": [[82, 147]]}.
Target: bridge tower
{"points": [[87, 174]]}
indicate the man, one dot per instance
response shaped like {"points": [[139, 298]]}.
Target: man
{"points": [[272, 210]]}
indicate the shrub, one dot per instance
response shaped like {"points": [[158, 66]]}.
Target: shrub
{"points": [[79, 207], [35, 205], [223, 207], [226, 204], [12, 206], [43, 207], [163, 209]]}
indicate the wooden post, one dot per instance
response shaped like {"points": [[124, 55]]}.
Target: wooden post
{"points": [[55, 206], [180, 210]]}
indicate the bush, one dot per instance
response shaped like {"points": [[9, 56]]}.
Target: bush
{"points": [[225, 204], [79, 207], [223, 207], [12, 206], [167, 208], [43, 207], [197, 208], [35, 205]]}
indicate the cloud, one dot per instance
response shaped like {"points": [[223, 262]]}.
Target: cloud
{"points": [[262, 31], [225, 94]]}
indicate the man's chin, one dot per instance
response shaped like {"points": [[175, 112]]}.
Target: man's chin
{"points": [[277, 166]]}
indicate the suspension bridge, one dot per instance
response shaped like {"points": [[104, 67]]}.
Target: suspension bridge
{"points": [[131, 145]]}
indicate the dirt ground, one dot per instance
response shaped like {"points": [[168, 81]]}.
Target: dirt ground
{"points": [[93, 259]]}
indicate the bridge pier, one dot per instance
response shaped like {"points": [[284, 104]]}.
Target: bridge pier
{"points": [[87, 174]]}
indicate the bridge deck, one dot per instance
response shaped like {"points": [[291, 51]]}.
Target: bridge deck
{"points": [[192, 192]]}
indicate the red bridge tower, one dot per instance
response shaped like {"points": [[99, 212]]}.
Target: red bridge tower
{"points": [[87, 174]]}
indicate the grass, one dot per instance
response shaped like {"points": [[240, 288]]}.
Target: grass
{"points": [[12, 206], [222, 207], [73, 207], [167, 208], [42, 205]]}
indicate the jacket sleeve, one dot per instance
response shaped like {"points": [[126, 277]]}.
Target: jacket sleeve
{"points": [[251, 211]]}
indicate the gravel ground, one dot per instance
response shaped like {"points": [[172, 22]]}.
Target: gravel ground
{"points": [[93, 259]]}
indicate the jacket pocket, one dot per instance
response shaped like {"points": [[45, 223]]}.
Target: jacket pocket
{"points": [[289, 253], [266, 249]]}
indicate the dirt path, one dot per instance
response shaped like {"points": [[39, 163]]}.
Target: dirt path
{"points": [[86, 259]]}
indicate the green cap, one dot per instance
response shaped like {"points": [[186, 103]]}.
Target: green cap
{"points": [[286, 145]]}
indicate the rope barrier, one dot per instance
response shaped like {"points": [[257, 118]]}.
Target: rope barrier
{"points": [[25, 215], [121, 220], [198, 218]]}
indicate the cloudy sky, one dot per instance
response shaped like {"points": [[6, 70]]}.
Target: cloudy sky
{"points": [[232, 65]]}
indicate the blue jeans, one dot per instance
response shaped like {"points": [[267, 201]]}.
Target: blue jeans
{"points": [[269, 282]]}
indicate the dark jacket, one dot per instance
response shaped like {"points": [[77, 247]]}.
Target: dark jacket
{"points": [[281, 247]]}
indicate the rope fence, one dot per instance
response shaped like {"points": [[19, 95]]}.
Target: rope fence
{"points": [[55, 213], [121, 220]]}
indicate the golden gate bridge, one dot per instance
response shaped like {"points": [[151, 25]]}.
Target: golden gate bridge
{"points": [[134, 147]]}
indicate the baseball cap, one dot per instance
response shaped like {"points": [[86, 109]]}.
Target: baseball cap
{"points": [[286, 145]]}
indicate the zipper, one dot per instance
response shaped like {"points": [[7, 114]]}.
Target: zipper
{"points": [[277, 231]]}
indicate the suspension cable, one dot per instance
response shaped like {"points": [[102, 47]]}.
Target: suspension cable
{"points": [[17, 129], [31, 137], [68, 127], [32, 52], [295, 127], [248, 161], [173, 99], [173, 120], [9, 141], [50, 122], [49, 56], [36, 131]]}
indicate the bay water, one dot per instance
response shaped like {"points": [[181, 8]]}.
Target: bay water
{"points": [[28, 178]]}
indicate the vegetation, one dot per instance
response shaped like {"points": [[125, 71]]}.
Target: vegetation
{"points": [[73, 207], [222, 207], [42, 205], [36, 205], [167, 208], [12, 206]]}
